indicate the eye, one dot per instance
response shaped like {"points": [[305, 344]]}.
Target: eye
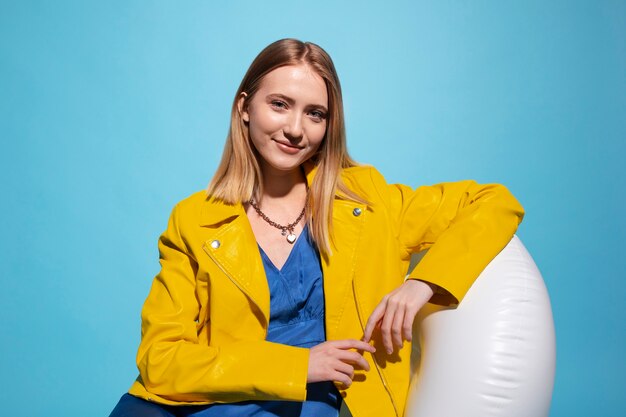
{"points": [[317, 115], [278, 104]]}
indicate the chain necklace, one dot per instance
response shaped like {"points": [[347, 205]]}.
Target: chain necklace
{"points": [[284, 230]]}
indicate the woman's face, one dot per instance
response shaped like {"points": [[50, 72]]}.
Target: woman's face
{"points": [[287, 117]]}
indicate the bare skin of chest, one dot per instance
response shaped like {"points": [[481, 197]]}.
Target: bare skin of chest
{"points": [[274, 244]]}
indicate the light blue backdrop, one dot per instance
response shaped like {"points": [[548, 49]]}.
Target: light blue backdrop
{"points": [[112, 111]]}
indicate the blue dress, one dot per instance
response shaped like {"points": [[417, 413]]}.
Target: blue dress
{"points": [[296, 319]]}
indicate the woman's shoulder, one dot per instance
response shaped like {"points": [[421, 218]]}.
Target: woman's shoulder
{"points": [[364, 179], [189, 210], [361, 170], [200, 208], [361, 174], [192, 202]]}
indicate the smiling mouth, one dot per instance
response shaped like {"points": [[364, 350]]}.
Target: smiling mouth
{"points": [[288, 144]]}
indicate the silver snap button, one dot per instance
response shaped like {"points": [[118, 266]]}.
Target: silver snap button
{"points": [[215, 244], [356, 211]]}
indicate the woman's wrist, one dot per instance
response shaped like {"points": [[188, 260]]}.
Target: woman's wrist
{"points": [[434, 288]]}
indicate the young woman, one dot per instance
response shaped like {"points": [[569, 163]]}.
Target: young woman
{"points": [[282, 289]]}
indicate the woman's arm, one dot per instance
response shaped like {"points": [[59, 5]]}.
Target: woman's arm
{"points": [[175, 365], [467, 225], [463, 224]]}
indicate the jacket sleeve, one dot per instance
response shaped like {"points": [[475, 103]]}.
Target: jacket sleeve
{"points": [[464, 225], [175, 365]]}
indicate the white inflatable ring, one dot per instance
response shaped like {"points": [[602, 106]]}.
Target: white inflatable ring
{"points": [[493, 355]]}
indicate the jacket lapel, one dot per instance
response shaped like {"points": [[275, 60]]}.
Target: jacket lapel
{"points": [[230, 243], [339, 268]]}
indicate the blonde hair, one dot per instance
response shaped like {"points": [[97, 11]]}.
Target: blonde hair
{"points": [[238, 177]]}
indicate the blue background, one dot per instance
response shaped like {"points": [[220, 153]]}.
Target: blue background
{"points": [[112, 111]]}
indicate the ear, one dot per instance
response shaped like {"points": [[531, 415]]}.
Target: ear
{"points": [[242, 107]]}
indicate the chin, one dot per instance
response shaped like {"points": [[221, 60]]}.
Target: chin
{"points": [[285, 166]]}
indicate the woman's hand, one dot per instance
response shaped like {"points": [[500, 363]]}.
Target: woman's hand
{"points": [[394, 315], [335, 361]]}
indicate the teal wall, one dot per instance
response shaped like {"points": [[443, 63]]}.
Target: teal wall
{"points": [[112, 111]]}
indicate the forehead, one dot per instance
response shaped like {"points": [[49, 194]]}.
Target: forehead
{"points": [[299, 82]]}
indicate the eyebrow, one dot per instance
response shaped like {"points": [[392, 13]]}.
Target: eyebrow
{"points": [[291, 101]]}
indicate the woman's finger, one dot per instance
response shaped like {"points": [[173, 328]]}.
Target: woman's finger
{"points": [[374, 318], [407, 325], [345, 369], [386, 326], [397, 326], [354, 358], [341, 378], [345, 344]]}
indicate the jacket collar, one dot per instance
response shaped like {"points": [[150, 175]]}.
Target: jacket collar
{"points": [[216, 212]]}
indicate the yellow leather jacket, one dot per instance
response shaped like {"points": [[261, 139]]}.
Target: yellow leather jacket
{"points": [[204, 322]]}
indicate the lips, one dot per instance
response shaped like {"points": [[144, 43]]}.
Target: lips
{"points": [[288, 147]]}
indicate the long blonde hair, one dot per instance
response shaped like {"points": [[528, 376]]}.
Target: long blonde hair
{"points": [[238, 177]]}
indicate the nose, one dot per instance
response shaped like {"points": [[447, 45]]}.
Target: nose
{"points": [[293, 129]]}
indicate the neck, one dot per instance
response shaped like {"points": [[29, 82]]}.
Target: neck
{"points": [[281, 184]]}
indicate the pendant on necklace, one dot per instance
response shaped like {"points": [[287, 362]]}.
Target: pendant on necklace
{"points": [[291, 237]]}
